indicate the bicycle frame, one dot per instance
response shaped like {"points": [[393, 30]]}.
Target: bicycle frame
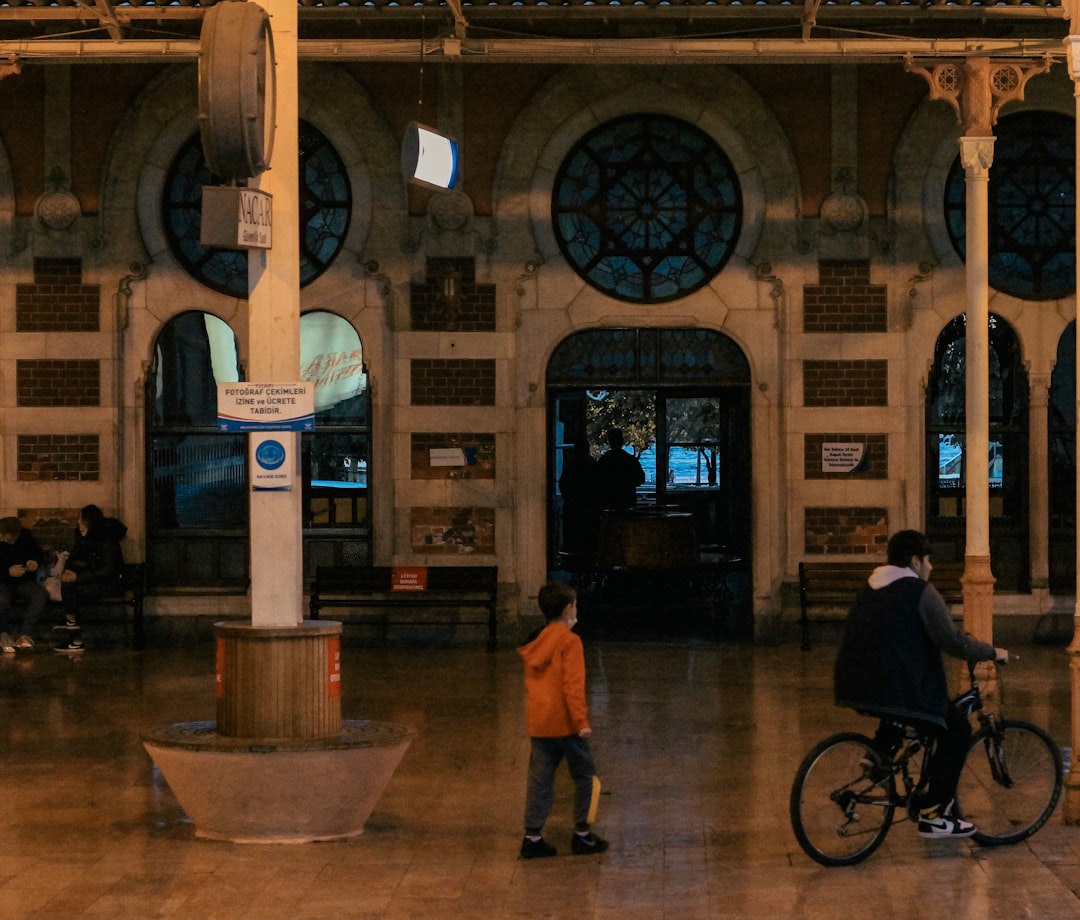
{"points": [[1010, 784]]}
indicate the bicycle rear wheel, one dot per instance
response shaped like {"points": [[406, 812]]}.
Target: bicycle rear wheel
{"points": [[842, 800], [1011, 782]]}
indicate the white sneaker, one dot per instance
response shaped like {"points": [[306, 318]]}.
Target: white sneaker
{"points": [[24, 642], [6, 645], [945, 825]]}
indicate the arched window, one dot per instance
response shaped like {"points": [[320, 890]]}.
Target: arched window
{"points": [[947, 460], [197, 481], [336, 457], [1032, 198], [197, 502]]}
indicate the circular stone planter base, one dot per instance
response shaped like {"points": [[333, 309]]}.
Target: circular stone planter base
{"points": [[248, 790]]}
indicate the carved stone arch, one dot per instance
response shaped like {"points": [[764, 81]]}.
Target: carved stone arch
{"points": [[573, 103], [343, 110], [164, 116], [7, 203]]}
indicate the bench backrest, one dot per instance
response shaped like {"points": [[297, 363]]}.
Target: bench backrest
{"points": [[380, 579], [837, 578]]}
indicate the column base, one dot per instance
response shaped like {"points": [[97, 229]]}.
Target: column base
{"points": [[245, 791]]}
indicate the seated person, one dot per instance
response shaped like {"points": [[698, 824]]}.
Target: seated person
{"points": [[20, 559], [92, 570]]}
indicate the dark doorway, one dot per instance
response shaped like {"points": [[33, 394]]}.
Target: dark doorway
{"points": [[678, 561]]}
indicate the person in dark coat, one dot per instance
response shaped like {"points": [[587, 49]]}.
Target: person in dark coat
{"points": [[890, 667], [581, 502], [92, 570], [618, 473], [20, 559]]}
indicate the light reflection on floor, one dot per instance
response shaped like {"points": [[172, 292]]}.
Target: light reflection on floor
{"points": [[696, 744]]}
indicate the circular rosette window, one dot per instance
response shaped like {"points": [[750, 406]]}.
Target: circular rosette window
{"points": [[325, 210], [647, 208]]}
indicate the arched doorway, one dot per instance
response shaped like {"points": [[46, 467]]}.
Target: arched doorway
{"points": [[681, 397], [1008, 461]]}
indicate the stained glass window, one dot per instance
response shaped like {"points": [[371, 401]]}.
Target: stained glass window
{"points": [[647, 208], [1032, 197], [325, 209], [664, 356]]}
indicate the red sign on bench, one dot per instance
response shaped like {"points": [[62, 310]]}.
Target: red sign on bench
{"points": [[409, 578]]}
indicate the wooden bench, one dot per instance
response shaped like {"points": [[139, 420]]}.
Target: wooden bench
{"points": [[448, 588], [835, 584], [131, 592]]}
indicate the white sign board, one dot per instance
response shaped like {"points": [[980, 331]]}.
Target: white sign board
{"points": [[236, 218], [447, 456], [266, 406], [841, 457]]}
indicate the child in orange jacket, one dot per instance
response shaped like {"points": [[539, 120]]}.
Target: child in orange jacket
{"points": [[557, 720]]}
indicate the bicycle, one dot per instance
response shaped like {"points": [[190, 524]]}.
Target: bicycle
{"points": [[845, 793]]}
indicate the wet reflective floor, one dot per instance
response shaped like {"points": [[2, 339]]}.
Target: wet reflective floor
{"points": [[696, 744]]}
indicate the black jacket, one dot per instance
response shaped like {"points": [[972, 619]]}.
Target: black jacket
{"points": [[889, 664], [97, 557], [20, 552]]}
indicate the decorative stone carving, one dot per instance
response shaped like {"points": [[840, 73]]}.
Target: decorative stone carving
{"points": [[450, 211], [57, 208], [843, 212]]}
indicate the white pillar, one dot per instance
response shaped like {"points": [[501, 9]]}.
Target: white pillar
{"points": [[1039, 489], [976, 155], [274, 339], [1071, 806]]}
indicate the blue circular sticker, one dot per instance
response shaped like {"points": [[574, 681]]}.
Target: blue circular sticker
{"points": [[270, 455]]}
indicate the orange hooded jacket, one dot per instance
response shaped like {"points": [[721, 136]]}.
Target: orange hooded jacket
{"points": [[554, 683]]}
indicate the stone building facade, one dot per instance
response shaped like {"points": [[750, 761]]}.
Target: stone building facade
{"points": [[838, 286]]}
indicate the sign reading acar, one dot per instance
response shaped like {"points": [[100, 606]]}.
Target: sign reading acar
{"points": [[266, 406], [236, 218]]}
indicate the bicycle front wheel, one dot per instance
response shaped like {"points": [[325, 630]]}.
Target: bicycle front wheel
{"points": [[1011, 782], [842, 800]]}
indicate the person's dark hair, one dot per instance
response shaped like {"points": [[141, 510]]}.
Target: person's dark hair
{"points": [[615, 438], [907, 543], [554, 598], [93, 516], [10, 526]]}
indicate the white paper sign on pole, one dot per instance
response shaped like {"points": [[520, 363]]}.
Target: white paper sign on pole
{"points": [[266, 406]]}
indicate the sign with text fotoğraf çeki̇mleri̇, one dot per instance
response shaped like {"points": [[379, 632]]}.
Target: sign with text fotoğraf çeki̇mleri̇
{"points": [[266, 406]]}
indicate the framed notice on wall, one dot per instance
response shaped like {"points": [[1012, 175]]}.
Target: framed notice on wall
{"points": [[842, 457]]}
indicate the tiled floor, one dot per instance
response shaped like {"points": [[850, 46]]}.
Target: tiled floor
{"points": [[696, 743]]}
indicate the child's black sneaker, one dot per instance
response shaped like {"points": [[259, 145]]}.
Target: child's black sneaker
{"points": [[536, 849], [73, 645], [584, 844]]}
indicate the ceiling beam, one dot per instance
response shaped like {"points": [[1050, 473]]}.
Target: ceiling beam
{"points": [[548, 50]]}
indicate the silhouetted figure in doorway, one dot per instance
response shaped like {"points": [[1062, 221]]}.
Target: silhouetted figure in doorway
{"points": [[581, 502], [619, 474]]}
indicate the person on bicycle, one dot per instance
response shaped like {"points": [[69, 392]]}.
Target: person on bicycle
{"points": [[890, 667]]}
